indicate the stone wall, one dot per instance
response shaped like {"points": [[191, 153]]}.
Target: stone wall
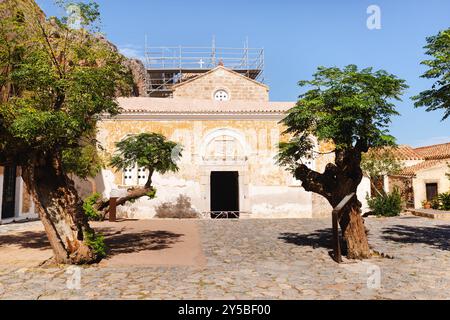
{"points": [[238, 87]]}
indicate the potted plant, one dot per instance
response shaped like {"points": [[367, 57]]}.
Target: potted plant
{"points": [[426, 204]]}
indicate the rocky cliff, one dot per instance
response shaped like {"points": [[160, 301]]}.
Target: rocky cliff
{"points": [[30, 10], [140, 78]]}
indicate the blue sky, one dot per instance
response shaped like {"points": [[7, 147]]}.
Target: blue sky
{"points": [[297, 37]]}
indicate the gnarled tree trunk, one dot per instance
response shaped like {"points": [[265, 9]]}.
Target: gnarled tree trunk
{"points": [[337, 181], [102, 206], [61, 212], [133, 194], [354, 231]]}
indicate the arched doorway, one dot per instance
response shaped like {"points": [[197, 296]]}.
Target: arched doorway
{"points": [[225, 171]]}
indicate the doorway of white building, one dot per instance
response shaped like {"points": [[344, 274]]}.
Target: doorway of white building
{"points": [[9, 193], [224, 194]]}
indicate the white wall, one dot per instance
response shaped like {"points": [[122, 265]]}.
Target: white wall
{"points": [[433, 175], [363, 191]]}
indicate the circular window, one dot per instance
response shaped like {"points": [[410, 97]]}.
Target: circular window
{"points": [[221, 95]]}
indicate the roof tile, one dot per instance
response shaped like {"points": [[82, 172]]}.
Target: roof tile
{"points": [[434, 152], [412, 170], [180, 105]]}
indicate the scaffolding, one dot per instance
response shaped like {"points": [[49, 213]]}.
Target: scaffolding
{"points": [[168, 66]]}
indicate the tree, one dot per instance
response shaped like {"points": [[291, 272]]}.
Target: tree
{"points": [[151, 151], [377, 163], [55, 83], [352, 109], [438, 97]]}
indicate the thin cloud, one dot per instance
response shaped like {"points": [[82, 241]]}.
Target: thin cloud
{"points": [[132, 51], [432, 141]]}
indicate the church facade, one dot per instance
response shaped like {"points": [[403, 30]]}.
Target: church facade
{"points": [[229, 131]]}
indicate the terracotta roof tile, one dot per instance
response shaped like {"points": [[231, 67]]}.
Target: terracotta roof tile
{"points": [[404, 152], [412, 170], [434, 152]]}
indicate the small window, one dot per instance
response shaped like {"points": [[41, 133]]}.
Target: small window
{"points": [[221, 95], [129, 176]]}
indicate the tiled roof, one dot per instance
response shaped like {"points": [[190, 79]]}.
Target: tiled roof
{"points": [[179, 105], [434, 152], [404, 152], [411, 171]]}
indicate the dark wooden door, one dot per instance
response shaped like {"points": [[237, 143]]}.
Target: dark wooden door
{"points": [[9, 192], [432, 191], [225, 191]]}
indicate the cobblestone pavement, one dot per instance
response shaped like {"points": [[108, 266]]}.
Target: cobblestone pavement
{"points": [[265, 259]]}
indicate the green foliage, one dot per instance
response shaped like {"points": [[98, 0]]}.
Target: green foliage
{"points": [[55, 83], [438, 97], [97, 243], [350, 107], [378, 162], [386, 205], [89, 207], [441, 202], [148, 150], [151, 194], [83, 160]]}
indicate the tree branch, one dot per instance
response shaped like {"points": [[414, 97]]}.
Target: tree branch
{"points": [[321, 183]]}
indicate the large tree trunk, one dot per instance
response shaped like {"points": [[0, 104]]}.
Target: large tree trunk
{"points": [[337, 181], [61, 212], [354, 231]]}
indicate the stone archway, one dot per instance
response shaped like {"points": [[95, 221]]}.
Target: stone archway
{"points": [[225, 150]]}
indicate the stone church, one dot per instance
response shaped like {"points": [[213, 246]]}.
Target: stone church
{"points": [[221, 115], [229, 131]]}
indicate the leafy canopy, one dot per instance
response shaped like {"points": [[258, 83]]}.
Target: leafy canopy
{"points": [[349, 107], [378, 162], [438, 97], [148, 150], [55, 83]]}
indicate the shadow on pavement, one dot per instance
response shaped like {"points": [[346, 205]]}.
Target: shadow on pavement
{"points": [[436, 236], [26, 239], [119, 241], [317, 239]]}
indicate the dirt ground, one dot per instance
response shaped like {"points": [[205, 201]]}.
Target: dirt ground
{"points": [[131, 243]]}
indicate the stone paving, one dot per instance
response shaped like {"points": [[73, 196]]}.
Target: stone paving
{"points": [[264, 259]]}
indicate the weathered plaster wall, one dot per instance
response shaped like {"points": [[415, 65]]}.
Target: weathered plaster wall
{"points": [[238, 87], [266, 189]]}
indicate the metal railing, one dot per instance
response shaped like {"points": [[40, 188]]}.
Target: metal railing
{"points": [[223, 214], [186, 58]]}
